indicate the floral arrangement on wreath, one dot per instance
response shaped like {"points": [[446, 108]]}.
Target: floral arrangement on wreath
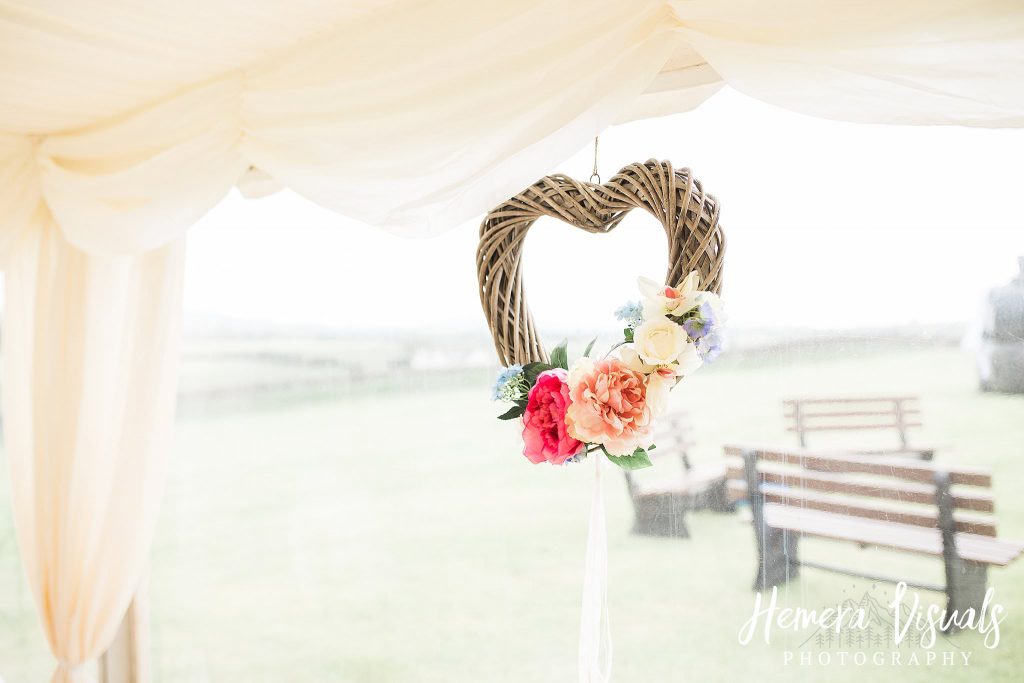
{"points": [[610, 404]]}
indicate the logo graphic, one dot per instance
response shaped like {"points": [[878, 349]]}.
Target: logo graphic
{"points": [[901, 631], [877, 629]]}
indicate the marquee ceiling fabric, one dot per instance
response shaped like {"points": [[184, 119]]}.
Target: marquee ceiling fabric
{"points": [[128, 119]]}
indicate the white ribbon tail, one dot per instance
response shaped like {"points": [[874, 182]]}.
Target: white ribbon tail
{"points": [[595, 631]]}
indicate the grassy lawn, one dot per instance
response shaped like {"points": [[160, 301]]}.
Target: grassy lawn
{"points": [[401, 537]]}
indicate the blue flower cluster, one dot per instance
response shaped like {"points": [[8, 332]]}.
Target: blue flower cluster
{"points": [[631, 313], [510, 385], [702, 328]]}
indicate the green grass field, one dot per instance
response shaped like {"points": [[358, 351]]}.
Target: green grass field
{"points": [[401, 537]]}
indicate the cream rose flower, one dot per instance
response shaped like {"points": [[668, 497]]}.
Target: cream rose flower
{"points": [[664, 300], [659, 341], [661, 378], [687, 362]]}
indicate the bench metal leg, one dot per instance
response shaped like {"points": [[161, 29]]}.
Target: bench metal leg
{"points": [[776, 548], [661, 515], [965, 581], [777, 558], [965, 587], [715, 498]]}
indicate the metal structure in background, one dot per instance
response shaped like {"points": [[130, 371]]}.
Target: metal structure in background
{"points": [[1001, 354]]}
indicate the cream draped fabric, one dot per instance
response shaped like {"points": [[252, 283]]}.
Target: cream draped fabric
{"points": [[88, 390], [123, 121], [131, 118]]}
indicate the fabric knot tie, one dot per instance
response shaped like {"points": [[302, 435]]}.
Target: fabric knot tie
{"points": [[71, 672]]}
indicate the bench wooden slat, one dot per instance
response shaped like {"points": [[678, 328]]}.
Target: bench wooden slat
{"points": [[809, 500], [832, 412], [851, 426], [693, 481], [910, 492], [888, 534], [903, 469], [911, 452], [896, 414], [979, 525], [851, 399], [900, 468]]}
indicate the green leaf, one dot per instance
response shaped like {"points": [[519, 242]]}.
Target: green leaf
{"points": [[637, 461], [560, 355], [532, 370], [621, 343], [589, 347], [628, 334], [514, 412]]}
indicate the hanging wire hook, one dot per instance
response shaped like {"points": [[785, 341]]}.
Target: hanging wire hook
{"points": [[594, 174]]}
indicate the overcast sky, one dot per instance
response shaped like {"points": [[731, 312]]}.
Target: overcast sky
{"points": [[829, 224]]}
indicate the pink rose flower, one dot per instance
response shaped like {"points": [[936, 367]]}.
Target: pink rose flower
{"points": [[545, 433], [608, 405]]}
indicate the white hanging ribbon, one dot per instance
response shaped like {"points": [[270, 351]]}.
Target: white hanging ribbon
{"points": [[595, 630]]}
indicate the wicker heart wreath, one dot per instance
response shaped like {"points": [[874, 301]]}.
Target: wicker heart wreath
{"points": [[668, 335], [674, 197], [569, 411]]}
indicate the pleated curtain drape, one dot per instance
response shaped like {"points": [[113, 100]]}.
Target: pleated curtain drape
{"points": [[89, 374], [121, 123]]}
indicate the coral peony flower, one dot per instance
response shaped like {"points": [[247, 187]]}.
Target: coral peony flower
{"points": [[545, 433], [609, 406], [665, 300], [659, 341]]}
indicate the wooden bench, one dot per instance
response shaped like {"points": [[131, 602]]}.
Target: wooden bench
{"points": [[661, 504], [891, 502], [887, 413]]}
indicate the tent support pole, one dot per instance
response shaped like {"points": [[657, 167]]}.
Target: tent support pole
{"points": [[127, 660]]}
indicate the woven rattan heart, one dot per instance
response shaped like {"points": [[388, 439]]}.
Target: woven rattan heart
{"points": [[689, 216]]}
